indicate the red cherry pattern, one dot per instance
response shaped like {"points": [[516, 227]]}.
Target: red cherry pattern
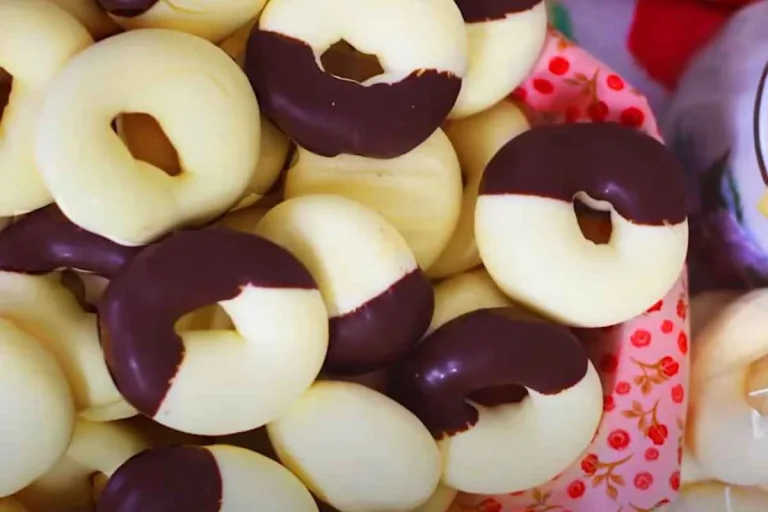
{"points": [[634, 461]]}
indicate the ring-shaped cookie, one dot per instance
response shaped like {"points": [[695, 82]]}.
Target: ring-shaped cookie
{"points": [[96, 451], [38, 413], [419, 193], [476, 140], [186, 380], [217, 478], [146, 142], [45, 241], [379, 301], [720, 427], [513, 446], [210, 19], [206, 108], [505, 40], [93, 17], [421, 46], [37, 40], [394, 465], [44, 307], [529, 237]]}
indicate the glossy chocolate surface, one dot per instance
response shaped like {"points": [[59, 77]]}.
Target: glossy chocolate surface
{"points": [[182, 273], [330, 116], [477, 11], [169, 479], [381, 330], [127, 8], [45, 240], [479, 350], [629, 169]]}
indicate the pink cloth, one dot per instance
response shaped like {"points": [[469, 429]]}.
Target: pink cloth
{"points": [[633, 465]]}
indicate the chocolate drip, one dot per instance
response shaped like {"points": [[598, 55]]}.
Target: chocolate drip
{"points": [[183, 273], [127, 8], [164, 480], [478, 11], [384, 328], [330, 116], [479, 350], [631, 170], [45, 240]]}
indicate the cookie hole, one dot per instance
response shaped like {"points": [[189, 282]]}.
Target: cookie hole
{"points": [[757, 386], [146, 141], [595, 224], [6, 84], [208, 318], [344, 61], [499, 395]]}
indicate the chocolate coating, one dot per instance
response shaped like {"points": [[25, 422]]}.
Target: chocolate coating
{"points": [[757, 127], [629, 169], [182, 273], [384, 328], [477, 11], [479, 350], [127, 8], [167, 479], [330, 116], [45, 240]]}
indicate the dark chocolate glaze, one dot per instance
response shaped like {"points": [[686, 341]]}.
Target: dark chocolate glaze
{"points": [[757, 127], [45, 240], [168, 479], [127, 8], [479, 350], [182, 273], [477, 11], [330, 116], [384, 328], [631, 170]]}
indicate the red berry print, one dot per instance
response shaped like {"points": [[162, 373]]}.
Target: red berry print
{"points": [[669, 366], [609, 363], [678, 394], [655, 307], [609, 403], [681, 309], [674, 481], [544, 86], [643, 480], [589, 464], [614, 82], [576, 489], [490, 505], [618, 439], [572, 114], [640, 338], [520, 93], [682, 342], [632, 117], [651, 454], [598, 111], [667, 326], [623, 387], [559, 66], [658, 434]]}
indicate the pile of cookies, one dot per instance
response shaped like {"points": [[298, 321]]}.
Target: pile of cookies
{"points": [[296, 254]]}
